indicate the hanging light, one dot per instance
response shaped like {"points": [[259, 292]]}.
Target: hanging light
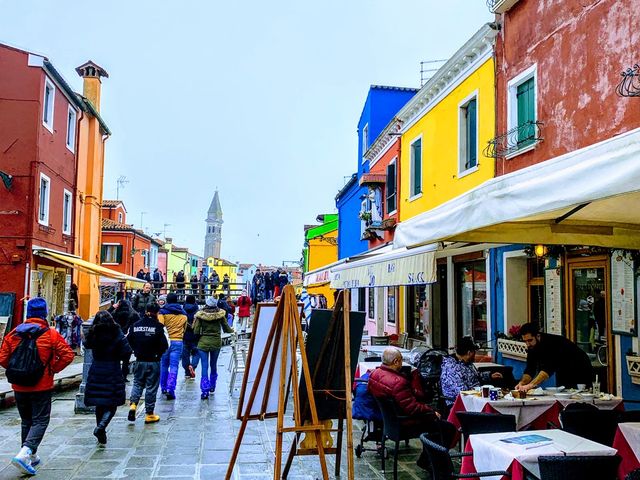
{"points": [[540, 251]]}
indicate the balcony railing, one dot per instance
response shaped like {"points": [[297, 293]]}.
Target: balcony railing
{"points": [[500, 6], [630, 84], [518, 138]]}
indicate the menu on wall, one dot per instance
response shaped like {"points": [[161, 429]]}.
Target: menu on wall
{"points": [[553, 300], [623, 317]]}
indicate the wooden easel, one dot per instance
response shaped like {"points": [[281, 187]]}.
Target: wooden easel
{"points": [[342, 304], [286, 334]]}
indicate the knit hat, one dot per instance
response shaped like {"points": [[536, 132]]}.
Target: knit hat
{"points": [[211, 302], [37, 308], [162, 299], [172, 298]]}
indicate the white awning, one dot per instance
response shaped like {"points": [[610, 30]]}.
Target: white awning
{"points": [[404, 266], [589, 196], [319, 276]]}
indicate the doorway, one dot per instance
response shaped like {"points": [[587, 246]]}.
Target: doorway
{"points": [[588, 313], [440, 318]]}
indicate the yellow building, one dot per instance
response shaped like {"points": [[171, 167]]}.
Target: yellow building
{"points": [[321, 250], [222, 267]]}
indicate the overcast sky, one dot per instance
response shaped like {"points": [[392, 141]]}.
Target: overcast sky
{"points": [[258, 99]]}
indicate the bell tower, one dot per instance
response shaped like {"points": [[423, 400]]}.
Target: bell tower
{"points": [[213, 236]]}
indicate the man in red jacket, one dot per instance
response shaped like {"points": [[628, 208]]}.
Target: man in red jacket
{"points": [[34, 402], [387, 381]]}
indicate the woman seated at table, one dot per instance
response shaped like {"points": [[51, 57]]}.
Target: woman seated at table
{"points": [[459, 373]]}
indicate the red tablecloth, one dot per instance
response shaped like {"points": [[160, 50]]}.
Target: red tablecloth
{"points": [[629, 460], [515, 469]]}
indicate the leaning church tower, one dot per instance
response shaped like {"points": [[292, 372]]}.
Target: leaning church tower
{"points": [[213, 237]]}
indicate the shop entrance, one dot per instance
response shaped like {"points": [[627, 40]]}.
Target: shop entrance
{"points": [[588, 309]]}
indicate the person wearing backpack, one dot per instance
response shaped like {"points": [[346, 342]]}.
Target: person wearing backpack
{"points": [[32, 353], [190, 355]]}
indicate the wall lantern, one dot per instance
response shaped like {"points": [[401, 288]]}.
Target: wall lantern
{"points": [[540, 251]]}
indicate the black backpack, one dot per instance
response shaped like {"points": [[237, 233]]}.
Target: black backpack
{"points": [[25, 365]]}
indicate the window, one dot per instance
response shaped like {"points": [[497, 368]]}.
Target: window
{"points": [[145, 258], [391, 305], [536, 293], [471, 299], [66, 212], [43, 210], [71, 128], [391, 187], [111, 253], [468, 153], [416, 167], [365, 140], [49, 99], [371, 311], [521, 110], [120, 217]]}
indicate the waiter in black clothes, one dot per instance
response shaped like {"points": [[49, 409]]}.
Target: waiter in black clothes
{"points": [[548, 354]]}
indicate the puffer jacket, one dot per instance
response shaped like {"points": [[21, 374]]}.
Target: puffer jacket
{"points": [[141, 300], [191, 309], [207, 325], [173, 316], [385, 382], [52, 348], [244, 306]]}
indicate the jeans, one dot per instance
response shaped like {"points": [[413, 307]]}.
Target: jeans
{"points": [[146, 376], [169, 366], [35, 411], [190, 356], [208, 380]]}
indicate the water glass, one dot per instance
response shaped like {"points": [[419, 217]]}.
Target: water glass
{"points": [[596, 389]]}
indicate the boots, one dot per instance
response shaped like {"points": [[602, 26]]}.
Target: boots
{"points": [[100, 432], [132, 413]]}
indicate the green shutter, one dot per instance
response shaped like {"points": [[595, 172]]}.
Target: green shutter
{"points": [[391, 187], [103, 254], [417, 167], [119, 254], [526, 112], [472, 134]]}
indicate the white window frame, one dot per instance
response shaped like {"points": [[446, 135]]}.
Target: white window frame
{"points": [[111, 244], [45, 220], [48, 84], [71, 128], [413, 197], [512, 101], [393, 162], [120, 217], [462, 135], [365, 141], [67, 212]]}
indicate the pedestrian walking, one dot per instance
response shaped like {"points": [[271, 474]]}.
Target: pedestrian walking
{"points": [[257, 287], [214, 282], [174, 318], [125, 316], [206, 326], [143, 298], [149, 342], [105, 387], [268, 286], [157, 281], [180, 281], [68, 325], [225, 283], [244, 311], [31, 377], [194, 284], [140, 274], [190, 355], [203, 280]]}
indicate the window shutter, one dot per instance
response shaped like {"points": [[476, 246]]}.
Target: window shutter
{"points": [[103, 254], [391, 187], [417, 167], [472, 137], [119, 254], [526, 111]]}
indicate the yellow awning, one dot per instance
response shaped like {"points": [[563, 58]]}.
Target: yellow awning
{"points": [[78, 263]]}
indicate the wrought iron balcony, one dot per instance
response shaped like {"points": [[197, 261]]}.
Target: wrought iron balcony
{"points": [[518, 138], [500, 6], [630, 84]]}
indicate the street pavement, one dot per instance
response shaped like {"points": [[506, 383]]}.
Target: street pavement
{"points": [[193, 440]]}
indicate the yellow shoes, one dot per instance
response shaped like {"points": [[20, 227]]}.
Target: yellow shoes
{"points": [[132, 413], [151, 418]]}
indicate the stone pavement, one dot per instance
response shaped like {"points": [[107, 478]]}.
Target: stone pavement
{"points": [[193, 440]]}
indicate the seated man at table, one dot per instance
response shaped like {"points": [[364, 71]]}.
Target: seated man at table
{"points": [[548, 354], [459, 373]]}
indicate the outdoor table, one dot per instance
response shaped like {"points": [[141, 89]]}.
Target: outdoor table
{"points": [[490, 453], [627, 442], [532, 412]]}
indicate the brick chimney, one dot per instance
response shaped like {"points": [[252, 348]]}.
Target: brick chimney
{"points": [[91, 73]]}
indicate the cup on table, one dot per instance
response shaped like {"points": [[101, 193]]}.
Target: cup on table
{"points": [[493, 393], [596, 389], [582, 386], [486, 389]]}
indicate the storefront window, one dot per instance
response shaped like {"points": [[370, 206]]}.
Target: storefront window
{"points": [[535, 284], [417, 311], [391, 305], [471, 299], [372, 304]]}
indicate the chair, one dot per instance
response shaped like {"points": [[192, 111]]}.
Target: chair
{"points": [[401, 341], [238, 361], [477, 422], [375, 340], [596, 425], [394, 430], [596, 467], [442, 466]]}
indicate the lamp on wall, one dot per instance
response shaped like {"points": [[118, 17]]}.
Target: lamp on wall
{"points": [[540, 251]]}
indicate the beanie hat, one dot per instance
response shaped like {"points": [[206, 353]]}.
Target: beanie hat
{"points": [[172, 298], [162, 299], [37, 308], [211, 302]]}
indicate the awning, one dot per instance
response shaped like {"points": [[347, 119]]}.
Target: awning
{"points": [[589, 196], [319, 276], [404, 266], [78, 263]]}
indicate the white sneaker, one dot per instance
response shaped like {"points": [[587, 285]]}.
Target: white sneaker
{"points": [[22, 461], [35, 460]]}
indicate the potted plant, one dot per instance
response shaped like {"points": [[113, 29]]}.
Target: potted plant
{"points": [[365, 216], [510, 345]]}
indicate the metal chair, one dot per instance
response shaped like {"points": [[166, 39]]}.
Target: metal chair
{"points": [[477, 422], [380, 341], [238, 361], [596, 425], [592, 467], [441, 465], [401, 341]]}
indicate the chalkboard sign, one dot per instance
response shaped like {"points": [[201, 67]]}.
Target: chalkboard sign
{"points": [[7, 303]]}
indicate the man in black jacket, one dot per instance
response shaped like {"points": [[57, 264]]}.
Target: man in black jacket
{"points": [[142, 299], [148, 341]]}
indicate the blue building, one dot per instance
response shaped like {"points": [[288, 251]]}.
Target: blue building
{"points": [[381, 105]]}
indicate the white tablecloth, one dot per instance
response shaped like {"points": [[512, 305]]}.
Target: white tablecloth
{"points": [[631, 433], [489, 453]]}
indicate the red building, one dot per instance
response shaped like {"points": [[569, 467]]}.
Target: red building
{"points": [[38, 123]]}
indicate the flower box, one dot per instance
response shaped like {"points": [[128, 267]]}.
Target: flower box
{"points": [[633, 367], [512, 349]]}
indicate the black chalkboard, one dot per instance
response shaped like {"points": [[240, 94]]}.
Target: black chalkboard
{"points": [[7, 303], [326, 330]]}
